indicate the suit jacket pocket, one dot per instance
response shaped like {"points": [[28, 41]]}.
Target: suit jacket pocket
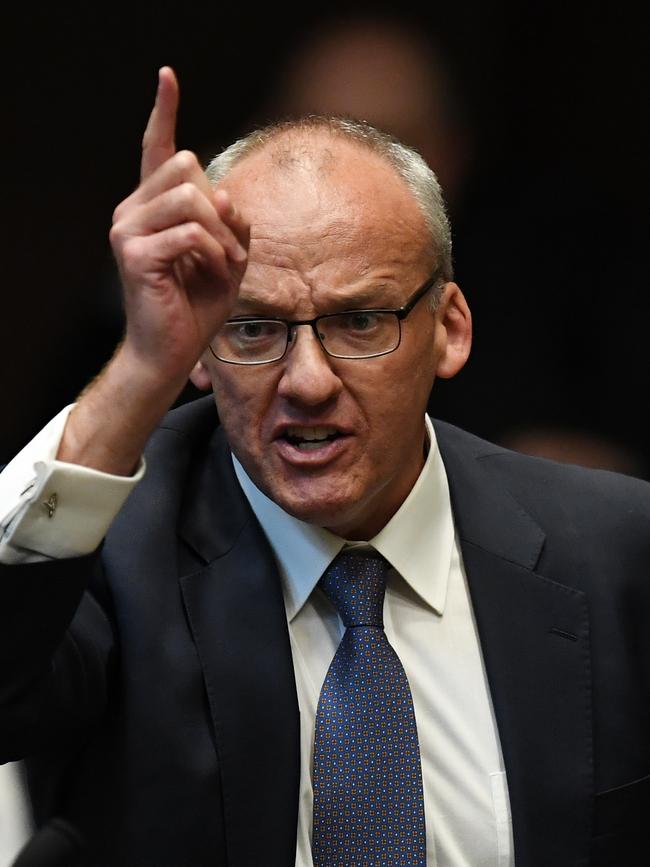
{"points": [[621, 826]]}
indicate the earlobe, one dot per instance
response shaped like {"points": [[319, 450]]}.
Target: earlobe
{"points": [[455, 320], [200, 377]]}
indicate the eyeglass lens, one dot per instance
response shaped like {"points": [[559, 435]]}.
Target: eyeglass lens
{"points": [[357, 334]]}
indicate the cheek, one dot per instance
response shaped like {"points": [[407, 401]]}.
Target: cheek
{"points": [[419, 374], [393, 406], [401, 390], [240, 404], [398, 425]]}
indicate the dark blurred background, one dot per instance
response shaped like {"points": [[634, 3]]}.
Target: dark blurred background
{"points": [[529, 112]]}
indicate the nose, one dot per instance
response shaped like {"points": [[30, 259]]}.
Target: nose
{"points": [[307, 377]]}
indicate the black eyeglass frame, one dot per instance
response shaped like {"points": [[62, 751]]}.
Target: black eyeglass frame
{"points": [[400, 312]]}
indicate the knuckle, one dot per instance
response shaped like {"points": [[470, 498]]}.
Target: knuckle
{"points": [[115, 234], [193, 232], [187, 193], [132, 254], [185, 161], [117, 214]]}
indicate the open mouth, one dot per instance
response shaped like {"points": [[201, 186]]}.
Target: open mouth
{"points": [[310, 438]]}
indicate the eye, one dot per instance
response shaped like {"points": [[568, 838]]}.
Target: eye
{"points": [[257, 330], [251, 329], [361, 320]]}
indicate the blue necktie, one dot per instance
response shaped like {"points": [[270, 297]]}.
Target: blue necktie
{"points": [[367, 779]]}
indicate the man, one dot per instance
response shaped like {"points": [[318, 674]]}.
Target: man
{"points": [[171, 686]]}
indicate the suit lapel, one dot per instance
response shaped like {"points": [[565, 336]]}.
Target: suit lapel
{"points": [[236, 613], [535, 641]]}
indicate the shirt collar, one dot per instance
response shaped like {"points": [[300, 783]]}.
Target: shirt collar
{"points": [[417, 541]]}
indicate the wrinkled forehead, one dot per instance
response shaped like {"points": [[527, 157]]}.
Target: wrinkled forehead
{"points": [[304, 177]]}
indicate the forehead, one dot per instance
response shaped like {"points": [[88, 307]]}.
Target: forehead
{"points": [[326, 189]]}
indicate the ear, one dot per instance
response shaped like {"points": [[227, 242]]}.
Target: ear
{"points": [[200, 377], [455, 326]]}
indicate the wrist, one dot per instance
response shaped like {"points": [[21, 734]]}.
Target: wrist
{"points": [[116, 414]]}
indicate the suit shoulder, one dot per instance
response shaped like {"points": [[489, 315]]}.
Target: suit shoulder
{"points": [[546, 487], [184, 435], [184, 428], [192, 418]]}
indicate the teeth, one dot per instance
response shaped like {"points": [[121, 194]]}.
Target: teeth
{"points": [[310, 433]]}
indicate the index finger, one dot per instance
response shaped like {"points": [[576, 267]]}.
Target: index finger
{"points": [[158, 143]]}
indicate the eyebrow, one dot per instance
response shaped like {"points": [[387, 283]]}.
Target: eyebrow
{"points": [[369, 297], [247, 304]]}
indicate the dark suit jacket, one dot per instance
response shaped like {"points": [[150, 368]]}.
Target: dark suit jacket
{"points": [[151, 685]]}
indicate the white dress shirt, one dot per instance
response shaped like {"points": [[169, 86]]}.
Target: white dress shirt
{"points": [[16, 824], [50, 509], [427, 614]]}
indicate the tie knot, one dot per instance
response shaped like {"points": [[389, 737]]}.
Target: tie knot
{"points": [[355, 583]]}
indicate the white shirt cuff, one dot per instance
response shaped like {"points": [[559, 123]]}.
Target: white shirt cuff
{"points": [[50, 509]]}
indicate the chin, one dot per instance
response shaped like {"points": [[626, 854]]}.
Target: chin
{"points": [[321, 510], [318, 513]]}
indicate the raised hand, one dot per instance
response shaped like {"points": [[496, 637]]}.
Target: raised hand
{"points": [[181, 248]]}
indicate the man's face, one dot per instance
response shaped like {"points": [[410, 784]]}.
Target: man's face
{"points": [[331, 229]]}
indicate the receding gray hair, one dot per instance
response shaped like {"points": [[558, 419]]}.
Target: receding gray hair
{"points": [[407, 162]]}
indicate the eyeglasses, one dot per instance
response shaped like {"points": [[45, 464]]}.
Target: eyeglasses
{"points": [[351, 334]]}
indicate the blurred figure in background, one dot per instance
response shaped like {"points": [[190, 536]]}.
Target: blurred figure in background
{"points": [[383, 70]]}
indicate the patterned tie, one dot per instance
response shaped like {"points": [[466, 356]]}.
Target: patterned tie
{"points": [[368, 802]]}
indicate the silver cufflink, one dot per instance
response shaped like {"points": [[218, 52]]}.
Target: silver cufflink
{"points": [[50, 505]]}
